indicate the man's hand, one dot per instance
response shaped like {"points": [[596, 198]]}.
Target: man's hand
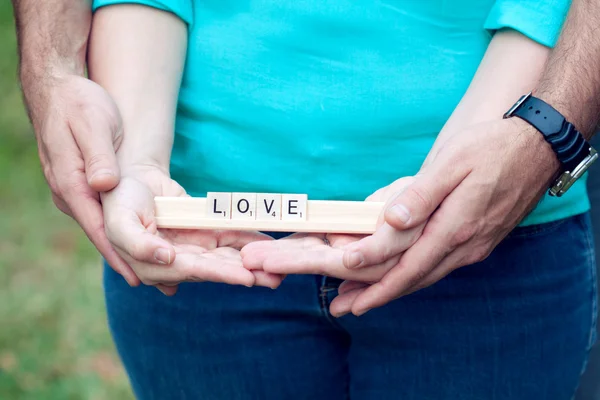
{"points": [[333, 254], [165, 258], [76, 123], [78, 132], [303, 253], [473, 192]]}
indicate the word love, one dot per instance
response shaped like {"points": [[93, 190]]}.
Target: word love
{"points": [[256, 206]]}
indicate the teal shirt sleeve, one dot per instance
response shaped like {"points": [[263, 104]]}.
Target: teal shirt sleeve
{"points": [[182, 8], [540, 20]]}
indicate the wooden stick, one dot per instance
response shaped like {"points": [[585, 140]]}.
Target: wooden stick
{"points": [[356, 217]]}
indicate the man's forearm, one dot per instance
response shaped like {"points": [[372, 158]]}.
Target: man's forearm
{"points": [[52, 37], [571, 79]]}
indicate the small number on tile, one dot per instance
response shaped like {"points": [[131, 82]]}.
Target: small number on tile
{"points": [[244, 206], [294, 206], [268, 206], [218, 205]]}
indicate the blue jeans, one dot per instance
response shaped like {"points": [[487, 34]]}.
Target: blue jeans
{"points": [[518, 325]]}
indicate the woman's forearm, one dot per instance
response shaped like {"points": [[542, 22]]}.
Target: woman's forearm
{"points": [[137, 54], [511, 67]]}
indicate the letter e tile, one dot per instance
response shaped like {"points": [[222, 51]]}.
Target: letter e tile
{"points": [[293, 206]]}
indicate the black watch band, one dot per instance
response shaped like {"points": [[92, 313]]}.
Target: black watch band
{"points": [[572, 150], [569, 145]]}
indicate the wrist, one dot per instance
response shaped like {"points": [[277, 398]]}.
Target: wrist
{"points": [[581, 112], [33, 67], [144, 150], [42, 90], [545, 159], [140, 166], [570, 148]]}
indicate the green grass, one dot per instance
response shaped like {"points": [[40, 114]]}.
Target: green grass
{"points": [[54, 340]]}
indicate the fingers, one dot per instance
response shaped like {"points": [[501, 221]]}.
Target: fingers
{"points": [[254, 254], [87, 211], [418, 201], [415, 264], [342, 304], [261, 278], [307, 255], [130, 225], [94, 132], [341, 240], [167, 290], [266, 279], [61, 205], [222, 265], [348, 286], [451, 262], [385, 243], [131, 237], [448, 229], [74, 197], [349, 292]]}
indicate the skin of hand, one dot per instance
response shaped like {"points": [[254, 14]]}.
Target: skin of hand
{"points": [[166, 257], [76, 123], [131, 45], [472, 194], [77, 140], [471, 212], [482, 175], [304, 253]]}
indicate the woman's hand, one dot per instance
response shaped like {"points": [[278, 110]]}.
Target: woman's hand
{"points": [[165, 258], [334, 254]]}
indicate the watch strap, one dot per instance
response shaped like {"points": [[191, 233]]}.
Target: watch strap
{"points": [[570, 146]]}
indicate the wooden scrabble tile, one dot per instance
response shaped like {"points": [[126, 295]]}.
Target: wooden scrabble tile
{"points": [[268, 206], [293, 206], [218, 205], [243, 206]]}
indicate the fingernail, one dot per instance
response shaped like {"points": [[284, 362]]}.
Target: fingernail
{"points": [[400, 212], [101, 173], [163, 256], [362, 312], [355, 259], [339, 315]]}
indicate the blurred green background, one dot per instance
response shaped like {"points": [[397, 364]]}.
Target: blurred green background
{"points": [[54, 339]]}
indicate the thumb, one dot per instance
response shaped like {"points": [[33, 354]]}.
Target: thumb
{"points": [[96, 134], [130, 225], [417, 202], [131, 237]]}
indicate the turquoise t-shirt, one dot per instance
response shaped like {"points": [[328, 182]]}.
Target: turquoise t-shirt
{"points": [[333, 98]]}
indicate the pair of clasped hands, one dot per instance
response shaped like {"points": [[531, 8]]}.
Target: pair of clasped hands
{"points": [[481, 177], [166, 257], [453, 213]]}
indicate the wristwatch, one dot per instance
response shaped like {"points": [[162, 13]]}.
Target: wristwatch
{"points": [[572, 150]]}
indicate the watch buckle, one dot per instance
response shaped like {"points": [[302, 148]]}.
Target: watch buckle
{"points": [[516, 106], [568, 178]]}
